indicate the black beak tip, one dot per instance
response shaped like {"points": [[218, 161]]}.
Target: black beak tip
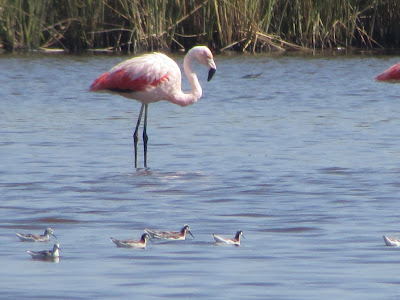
{"points": [[211, 73]]}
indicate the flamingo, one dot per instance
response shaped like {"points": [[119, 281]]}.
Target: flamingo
{"points": [[153, 77], [391, 74]]}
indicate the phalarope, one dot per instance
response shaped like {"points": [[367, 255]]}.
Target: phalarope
{"points": [[46, 254], [389, 241], [36, 237], [140, 244], [223, 240], [169, 235]]}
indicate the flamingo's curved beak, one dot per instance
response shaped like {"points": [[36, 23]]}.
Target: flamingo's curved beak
{"points": [[211, 73]]}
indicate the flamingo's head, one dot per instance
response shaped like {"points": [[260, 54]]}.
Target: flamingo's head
{"points": [[205, 57]]}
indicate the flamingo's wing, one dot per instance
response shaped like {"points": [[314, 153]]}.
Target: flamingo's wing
{"points": [[393, 73], [138, 74]]}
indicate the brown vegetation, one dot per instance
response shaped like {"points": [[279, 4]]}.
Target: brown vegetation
{"points": [[238, 25]]}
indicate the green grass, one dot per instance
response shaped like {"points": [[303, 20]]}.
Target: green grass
{"points": [[237, 25]]}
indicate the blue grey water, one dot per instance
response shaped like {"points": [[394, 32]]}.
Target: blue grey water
{"points": [[305, 159]]}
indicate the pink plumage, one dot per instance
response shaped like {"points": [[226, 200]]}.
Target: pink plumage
{"points": [[137, 74], [393, 73], [153, 77], [121, 81]]}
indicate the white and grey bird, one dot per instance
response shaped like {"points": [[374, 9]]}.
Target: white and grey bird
{"points": [[230, 241], [46, 254], [139, 244], [45, 237], [169, 235]]}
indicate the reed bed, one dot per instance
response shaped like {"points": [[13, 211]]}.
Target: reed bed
{"points": [[236, 25]]}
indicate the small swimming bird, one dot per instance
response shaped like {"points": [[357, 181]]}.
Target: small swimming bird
{"points": [[389, 241], [223, 240], [139, 244], [169, 235], [46, 254], [36, 237], [250, 76]]}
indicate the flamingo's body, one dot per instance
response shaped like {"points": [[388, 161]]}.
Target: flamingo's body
{"points": [[169, 235], [391, 74], [230, 241], [153, 77]]}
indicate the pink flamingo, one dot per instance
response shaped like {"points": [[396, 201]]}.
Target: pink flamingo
{"points": [[391, 74], [153, 77]]}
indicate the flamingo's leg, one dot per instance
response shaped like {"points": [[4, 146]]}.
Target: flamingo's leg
{"points": [[145, 138], [136, 135]]}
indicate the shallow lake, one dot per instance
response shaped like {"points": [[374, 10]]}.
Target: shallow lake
{"points": [[304, 158]]}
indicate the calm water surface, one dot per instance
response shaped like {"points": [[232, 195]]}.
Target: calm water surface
{"points": [[305, 159]]}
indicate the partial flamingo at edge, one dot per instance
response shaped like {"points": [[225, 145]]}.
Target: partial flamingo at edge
{"points": [[391, 74]]}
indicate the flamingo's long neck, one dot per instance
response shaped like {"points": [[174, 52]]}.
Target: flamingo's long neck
{"points": [[183, 99]]}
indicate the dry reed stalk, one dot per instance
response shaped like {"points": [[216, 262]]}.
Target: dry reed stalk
{"points": [[240, 25]]}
